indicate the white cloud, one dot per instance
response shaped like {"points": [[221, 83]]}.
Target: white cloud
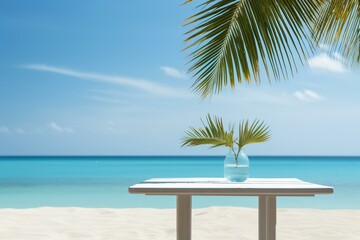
{"points": [[338, 57], [140, 84], [173, 72], [326, 63], [4, 129], [59, 129], [307, 96]]}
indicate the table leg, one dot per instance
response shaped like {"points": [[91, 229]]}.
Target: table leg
{"points": [[183, 217], [267, 217]]}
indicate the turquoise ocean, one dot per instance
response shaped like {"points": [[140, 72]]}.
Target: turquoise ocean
{"points": [[27, 182]]}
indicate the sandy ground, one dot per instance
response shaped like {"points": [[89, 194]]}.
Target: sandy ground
{"points": [[214, 223]]}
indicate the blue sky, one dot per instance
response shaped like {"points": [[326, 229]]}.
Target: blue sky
{"points": [[109, 78]]}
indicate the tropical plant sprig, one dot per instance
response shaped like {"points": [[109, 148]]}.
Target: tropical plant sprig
{"points": [[213, 133], [232, 40]]}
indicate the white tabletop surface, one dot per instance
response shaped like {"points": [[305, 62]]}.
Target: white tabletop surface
{"points": [[221, 187]]}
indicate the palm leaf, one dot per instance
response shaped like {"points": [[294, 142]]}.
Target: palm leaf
{"points": [[232, 39], [338, 26], [255, 133], [213, 133]]}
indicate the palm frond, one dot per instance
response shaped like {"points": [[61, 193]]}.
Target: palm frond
{"points": [[255, 133], [338, 26], [213, 133], [231, 39]]}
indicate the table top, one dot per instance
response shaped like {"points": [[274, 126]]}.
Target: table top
{"points": [[222, 187]]}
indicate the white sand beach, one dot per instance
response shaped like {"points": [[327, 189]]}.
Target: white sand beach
{"points": [[227, 223]]}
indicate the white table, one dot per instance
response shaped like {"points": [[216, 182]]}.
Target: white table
{"points": [[267, 189]]}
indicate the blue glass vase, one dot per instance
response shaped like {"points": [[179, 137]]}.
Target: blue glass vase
{"points": [[236, 170]]}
